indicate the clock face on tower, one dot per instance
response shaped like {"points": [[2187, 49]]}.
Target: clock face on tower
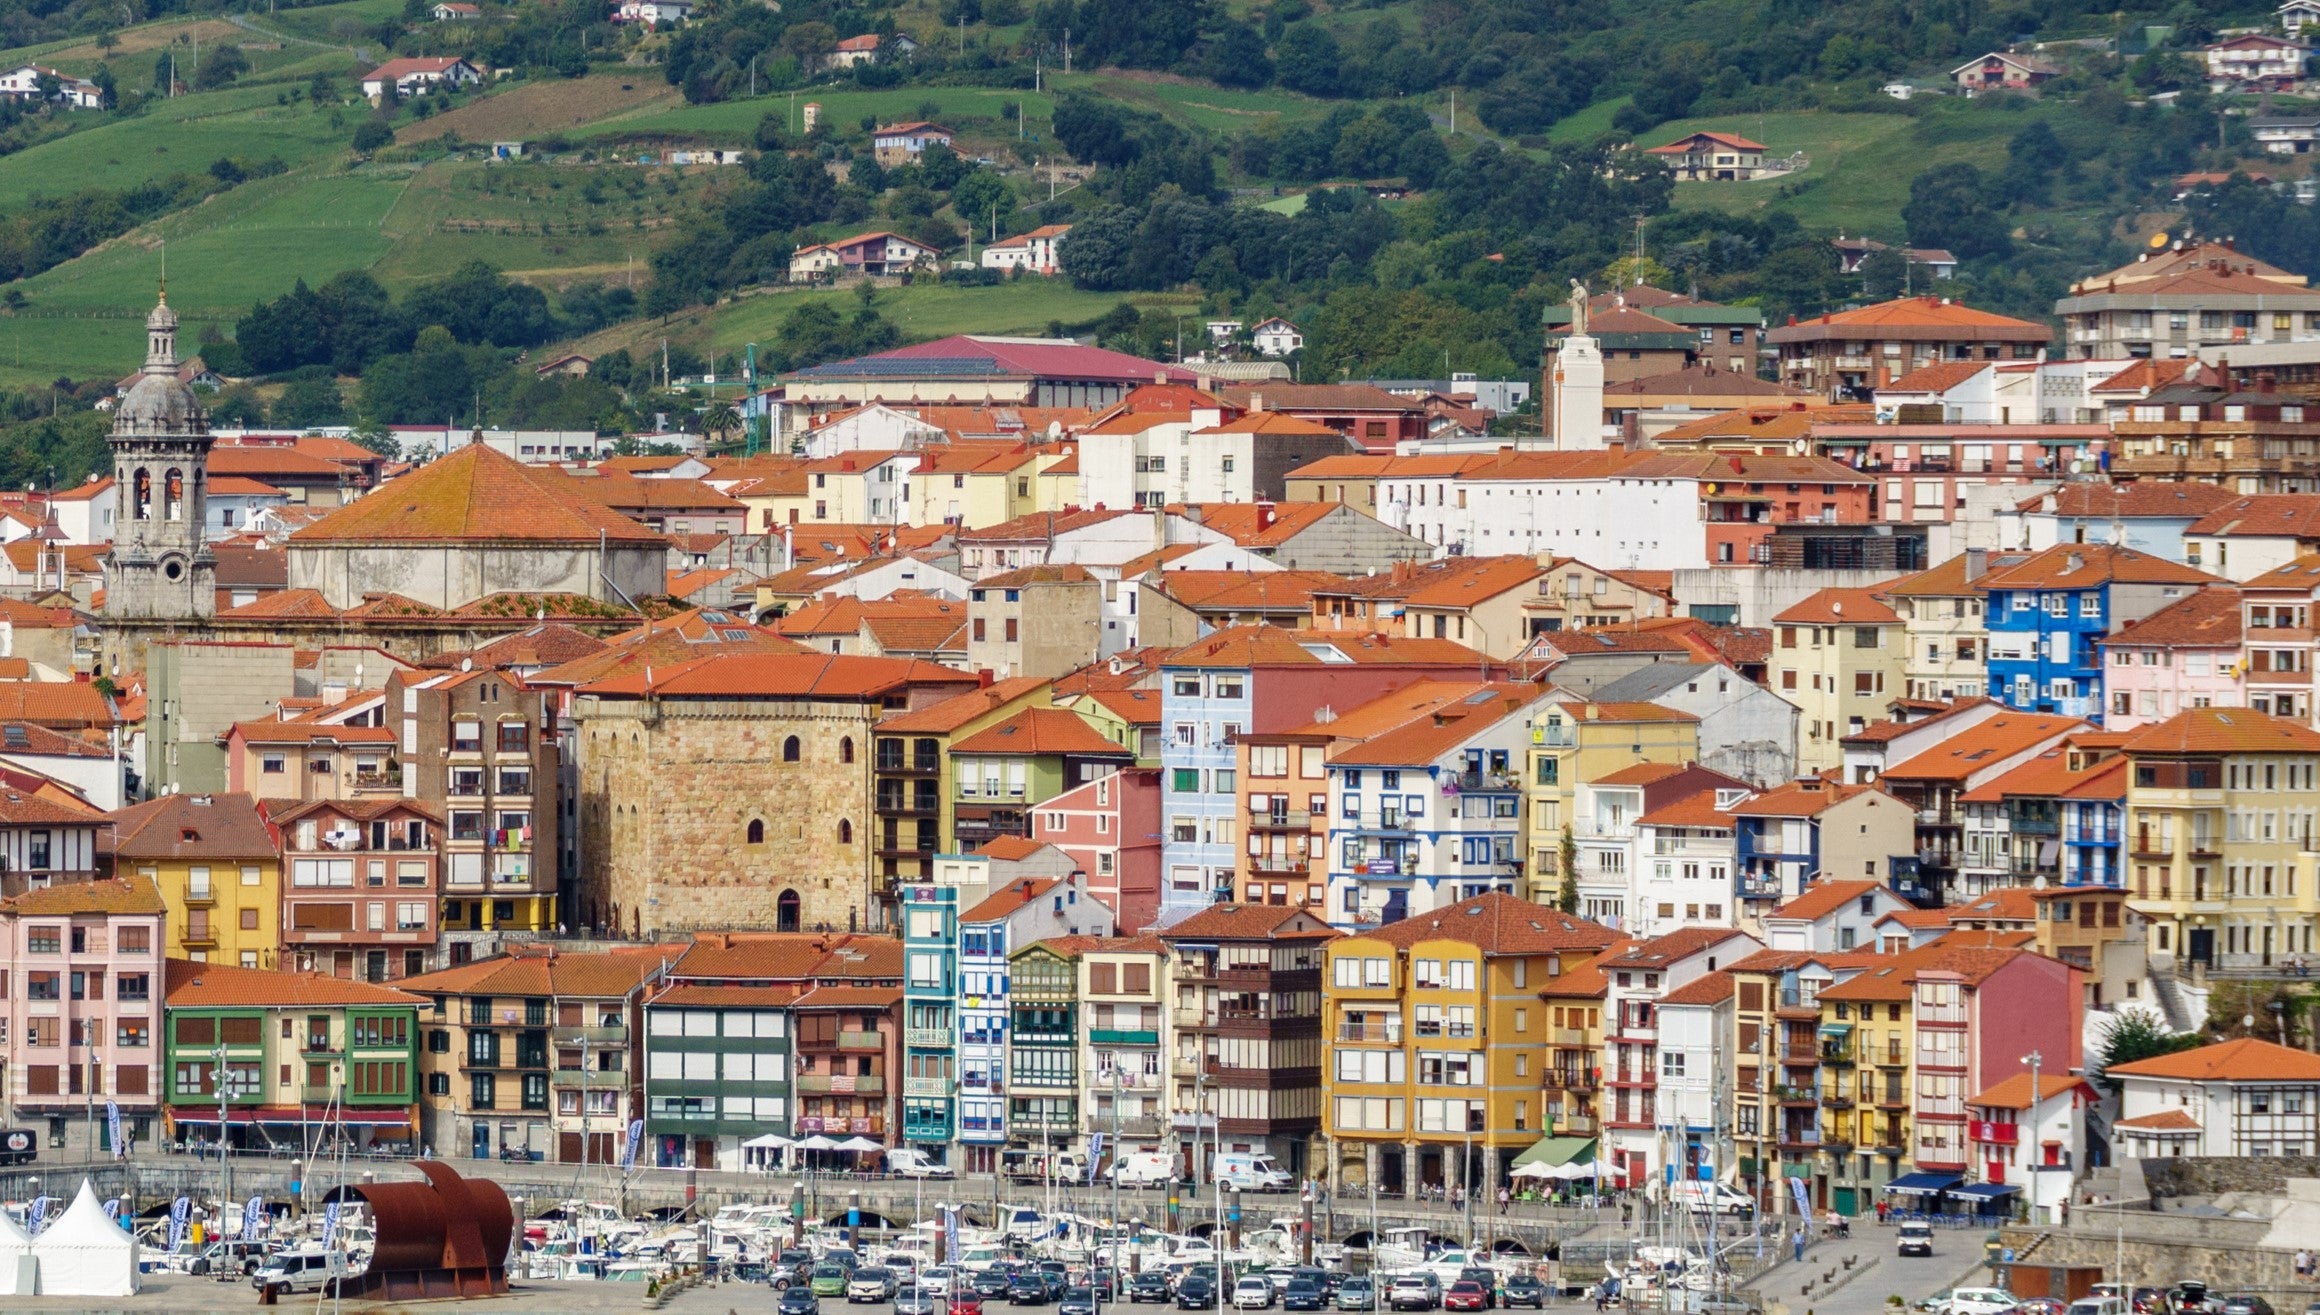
{"points": [[161, 567]]}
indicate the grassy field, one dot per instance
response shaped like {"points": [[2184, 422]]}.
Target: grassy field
{"points": [[1590, 123], [454, 212], [1198, 105], [973, 111], [923, 310], [174, 136]]}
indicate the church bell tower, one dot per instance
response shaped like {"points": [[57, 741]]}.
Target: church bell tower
{"points": [[161, 568]]}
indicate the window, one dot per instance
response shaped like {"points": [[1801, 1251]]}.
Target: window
{"points": [[790, 749]]}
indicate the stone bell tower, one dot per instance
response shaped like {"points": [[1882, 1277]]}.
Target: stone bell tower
{"points": [[161, 568]]}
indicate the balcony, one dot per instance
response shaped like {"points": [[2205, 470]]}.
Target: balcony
{"points": [[1185, 1066], [1280, 865], [1108, 1036], [841, 1084], [862, 1041], [1799, 1139], [1142, 1125], [909, 807], [1837, 1099], [1575, 1125], [590, 1036], [1487, 782], [1291, 820], [1995, 1134], [1562, 1079], [1893, 1100], [927, 1038], [589, 1079], [1796, 1095], [926, 1088], [1388, 1032], [1192, 1016], [1799, 1054]]}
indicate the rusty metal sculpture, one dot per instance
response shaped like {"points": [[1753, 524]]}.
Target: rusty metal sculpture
{"points": [[446, 1237]]}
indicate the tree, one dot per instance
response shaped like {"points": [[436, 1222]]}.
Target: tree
{"points": [[1949, 207], [372, 436], [1884, 273], [2137, 1034], [221, 65], [1307, 59], [1567, 858], [720, 419], [373, 134]]}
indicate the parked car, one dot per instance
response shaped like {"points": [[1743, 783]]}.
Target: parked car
{"points": [[1357, 1292], [1196, 1291], [1979, 1301], [1077, 1301], [1466, 1294], [829, 1280], [2190, 1297], [2100, 1304], [1913, 1239], [1523, 1290], [872, 1283], [914, 1300], [1148, 1286], [1028, 1289], [234, 1257], [992, 1282], [1488, 1278], [938, 1281], [1253, 1293], [1422, 1292], [965, 1301], [2040, 1306], [2246, 1303], [1303, 1294], [798, 1299], [306, 1269]]}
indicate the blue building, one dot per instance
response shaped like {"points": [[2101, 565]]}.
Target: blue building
{"points": [[2047, 618], [1778, 838], [2094, 811], [930, 939], [983, 1024]]}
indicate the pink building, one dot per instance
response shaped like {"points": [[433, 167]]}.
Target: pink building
{"points": [[80, 990], [2185, 655], [1922, 469], [1111, 828], [1978, 1012]]}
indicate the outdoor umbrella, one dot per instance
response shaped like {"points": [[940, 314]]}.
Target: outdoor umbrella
{"points": [[859, 1144], [817, 1142]]}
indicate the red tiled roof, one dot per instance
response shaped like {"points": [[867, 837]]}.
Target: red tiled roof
{"points": [[1936, 378], [1008, 898], [125, 895], [1269, 646], [1706, 989], [2160, 1121], [1499, 924], [1924, 319], [2087, 565], [1249, 922], [2144, 497], [193, 826], [1682, 144], [1698, 810], [1802, 799], [1985, 745], [1429, 735], [2209, 618], [781, 675], [56, 704], [2014, 1092], [1009, 849], [952, 713], [1661, 951], [1641, 774]]}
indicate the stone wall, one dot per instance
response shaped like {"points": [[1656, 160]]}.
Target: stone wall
{"points": [[2224, 1264], [667, 793], [2213, 1176]]}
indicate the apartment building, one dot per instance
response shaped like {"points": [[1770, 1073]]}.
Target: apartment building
{"points": [[1603, 834], [1124, 995], [1004, 772], [1941, 610], [2220, 803], [2205, 295], [279, 1054], [2028, 1135], [1020, 912], [538, 1053], [1840, 656], [1110, 830], [1777, 1054], [1685, 856], [1260, 679], [1573, 1008], [930, 941], [2270, 666], [1042, 1083], [2187, 655], [1814, 828], [363, 881], [1246, 1070], [80, 991], [913, 778], [1439, 1047], [217, 863], [1936, 781], [1634, 1141], [2049, 614], [2236, 1099], [1429, 813], [1847, 355], [1575, 740]]}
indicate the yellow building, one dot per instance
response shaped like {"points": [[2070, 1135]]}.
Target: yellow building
{"points": [[1573, 740], [1573, 1077], [972, 485], [913, 803], [1866, 1085], [218, 867], [1439, 1043], [1840, 656], [2221, 803]]}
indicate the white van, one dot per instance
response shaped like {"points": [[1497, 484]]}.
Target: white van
{"points": [[1711, 1198], [1144, 1169], [1249, 1172], [304, 1270], [910, 1162]]}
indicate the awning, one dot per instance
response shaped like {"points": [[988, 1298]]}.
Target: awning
{"points": [[1987, 1191], [1836, 1029], [275, 1115], [1925, 1183], [1553, 1151]]}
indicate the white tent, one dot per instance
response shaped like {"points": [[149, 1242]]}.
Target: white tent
{"points": [[14, 1243], [86, 1254]]}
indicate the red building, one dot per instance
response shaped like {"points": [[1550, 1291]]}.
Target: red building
{"points": [[1372, 417], [1111, 828]]}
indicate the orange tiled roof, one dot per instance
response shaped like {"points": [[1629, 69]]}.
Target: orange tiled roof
{"points": [[1823, 898], [1499, 924], [1698, 810], [555, 972], [193, 826], [1249, 922], [2087, 565], [1258, 524], [1233, 591], [781, 675], [1706, 989], [1936, 378], [57, 704], [1977, 747], [1430, 735], [2209, 618], [952, 713], [476, 495], [2244, 1059], [2160, 1121], [224, 986], [1927, 318], [2225, 730], [1844, 607], [1008, 898], [1641, 774], [1259, 645], [1948, 580], [1660, 951], [1801, 799], [1041, 731], [2014, 1092], [124, 895]]}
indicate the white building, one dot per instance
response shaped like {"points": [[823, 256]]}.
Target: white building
{"points": [[1022, 912], [873, 427], [1430, 813], [1040, 251], [1832, 916], [653, 13], [2030, 1146], [1685, 858], [1695, 1056], [2233, 1100], [1277, 337], [23, 83], [1632, 1147], [2296, 15], [415, 76], [1603, 834]]}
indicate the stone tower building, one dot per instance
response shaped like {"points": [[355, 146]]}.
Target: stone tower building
{"points": [[161, 568]]}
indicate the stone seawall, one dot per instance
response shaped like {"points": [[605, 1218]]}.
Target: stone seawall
{"points": [[2215, 1176]]}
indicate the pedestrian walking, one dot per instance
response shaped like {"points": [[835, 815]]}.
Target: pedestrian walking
{"points": [[2303, 1263], [1505, 1197], [1880, 1212]]}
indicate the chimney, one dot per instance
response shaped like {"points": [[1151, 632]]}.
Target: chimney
{"points": [[1256, 401], [983, 678], [1266, 515], [1977, 562], [2076, 562]]}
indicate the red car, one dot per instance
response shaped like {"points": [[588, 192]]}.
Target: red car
{"points": [[964, 1302], [1466, 1294]]}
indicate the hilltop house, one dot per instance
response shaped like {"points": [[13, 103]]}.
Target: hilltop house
{"points": [[2255, 60], [1712, 157], [901, 143], [869, 48], [653, 13], [24, 83], [411, 77], [1277, 337], [865, 253], [1039, 251], [1999, 71]]}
